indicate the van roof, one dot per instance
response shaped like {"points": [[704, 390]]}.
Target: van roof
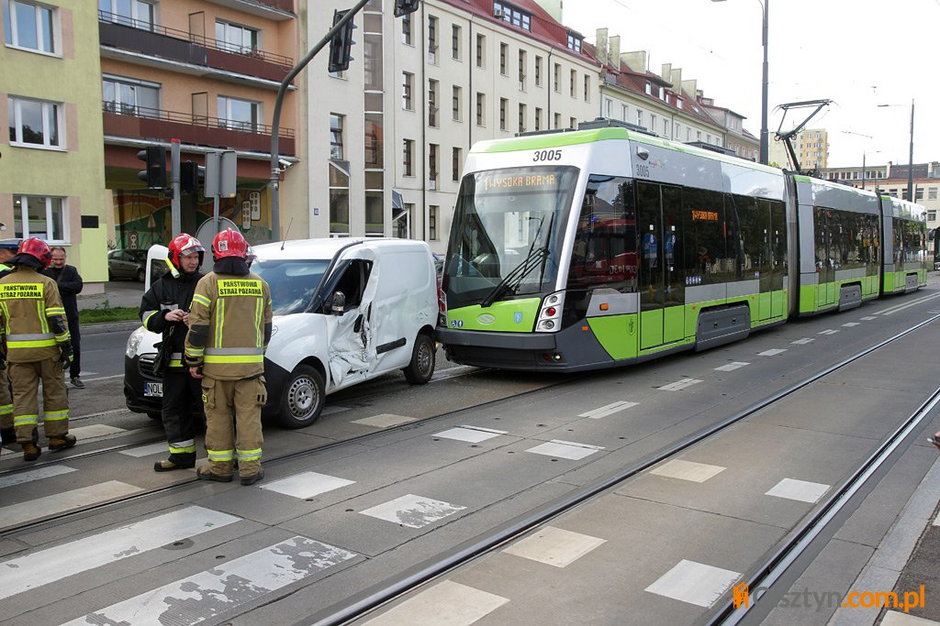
{"points": [[326, 248]]}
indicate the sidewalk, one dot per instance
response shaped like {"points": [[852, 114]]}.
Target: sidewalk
{"points": [[116, 294]]}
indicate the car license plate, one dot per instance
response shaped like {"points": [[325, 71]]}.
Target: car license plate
{"points": [[153, 390]]}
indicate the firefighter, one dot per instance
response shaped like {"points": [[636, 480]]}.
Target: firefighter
{"points": [[164, 309], [229, 329], [32, 321], [8, 248]]}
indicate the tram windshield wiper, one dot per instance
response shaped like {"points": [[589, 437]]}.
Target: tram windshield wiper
{"points": [[535, 258]]}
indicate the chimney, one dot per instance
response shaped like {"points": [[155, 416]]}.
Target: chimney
{"points": [[614, 46], [600, 46], [689, 86], [675, 77], [666, 71], [636, 61]]}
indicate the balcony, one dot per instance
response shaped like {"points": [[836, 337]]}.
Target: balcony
{"points": [[177, 46], [271, 9], [156, 124]]}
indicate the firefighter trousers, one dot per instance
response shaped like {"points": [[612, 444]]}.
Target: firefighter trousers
{"points": [[55, 402], [182, 413], [6, 404], [233, 424]]}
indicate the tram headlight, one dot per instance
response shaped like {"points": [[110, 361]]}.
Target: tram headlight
{"points": [[549, 318]]}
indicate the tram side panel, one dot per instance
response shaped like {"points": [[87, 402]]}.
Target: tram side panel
{"points": [[905, 258], [839, 246]]}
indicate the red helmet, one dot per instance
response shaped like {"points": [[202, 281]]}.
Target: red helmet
{"points": [[36, 248], [182, 245], [229, 243]]}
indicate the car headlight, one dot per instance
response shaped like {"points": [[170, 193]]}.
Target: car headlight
{"points": [[133, 342]]}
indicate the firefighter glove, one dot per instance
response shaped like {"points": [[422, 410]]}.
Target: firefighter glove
{"points": [[66, 356]]}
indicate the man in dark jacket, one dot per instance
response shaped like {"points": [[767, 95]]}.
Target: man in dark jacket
{"points": [[165, 309], [70, 285]]}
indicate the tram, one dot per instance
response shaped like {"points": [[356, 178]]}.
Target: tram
{"points": [[594, 248]]}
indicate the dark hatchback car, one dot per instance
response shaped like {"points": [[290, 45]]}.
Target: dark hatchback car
{"points": [[125, 264]]}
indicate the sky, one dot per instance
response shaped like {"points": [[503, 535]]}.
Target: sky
{"points": [[857, 53]]}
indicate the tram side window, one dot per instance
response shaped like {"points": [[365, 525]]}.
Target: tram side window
{"points": [[822, 219], [755, 235], [707, 255], [604, 251], [778, 224]]}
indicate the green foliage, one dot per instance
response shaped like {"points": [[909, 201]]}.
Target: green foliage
{"points": [[106, 313]]}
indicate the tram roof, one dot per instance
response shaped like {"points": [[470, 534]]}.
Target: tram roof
{"points": [[555, 139]]}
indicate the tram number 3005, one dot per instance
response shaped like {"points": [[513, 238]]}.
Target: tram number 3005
{"points": [[546, 155]]}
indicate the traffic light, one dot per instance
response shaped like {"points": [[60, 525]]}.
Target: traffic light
{"points": [[404, 7], [192, 176], [341, 44], [155, 174]]}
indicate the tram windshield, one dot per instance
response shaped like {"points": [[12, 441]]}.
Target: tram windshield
{"points": [[507, 232]]}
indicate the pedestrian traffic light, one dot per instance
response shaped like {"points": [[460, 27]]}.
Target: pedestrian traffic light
{"points": [[404, 7], [155, 174], [192, 176], [341, 44]]}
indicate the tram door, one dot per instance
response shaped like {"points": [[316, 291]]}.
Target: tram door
{"points": [[661, 279]]}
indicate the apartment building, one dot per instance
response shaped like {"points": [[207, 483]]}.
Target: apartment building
{"points": [[204, 73], [421, 90], [811, 147], [52, 182]]}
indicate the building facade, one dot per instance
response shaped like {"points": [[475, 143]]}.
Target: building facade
{"points": [[52, 182], [811, 147]]}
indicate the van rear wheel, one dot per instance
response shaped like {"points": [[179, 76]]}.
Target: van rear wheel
{"points": [[421, 368], [303, 398]]}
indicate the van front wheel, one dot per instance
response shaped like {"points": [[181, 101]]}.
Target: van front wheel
{"points": [[421, 368], [303, 398]]}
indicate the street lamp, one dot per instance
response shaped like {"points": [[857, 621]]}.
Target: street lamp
{"points": [[765, 8], [910, 163]]}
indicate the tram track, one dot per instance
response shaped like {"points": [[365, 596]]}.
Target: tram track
{"points": [[380, 595]]}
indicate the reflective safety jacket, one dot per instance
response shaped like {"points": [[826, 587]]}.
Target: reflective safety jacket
{"points": [[229, 326], [32, 319]]}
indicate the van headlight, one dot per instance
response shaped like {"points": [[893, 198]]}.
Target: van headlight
{"points": [[133, 342]]}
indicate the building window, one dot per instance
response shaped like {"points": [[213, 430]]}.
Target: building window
{"points": [[128, 96], [587, 88], [538, 118], [407, 158], [522, 64], [433, 211], [481, 109], [133, 13], [432, 103], [652, 122], [339, 200], [235, 38], [456, 103], [918, 193], [557, 121], [931, 193], [35, 123], [456, 163], [573, 85], [407, 29], [557, 78], [639, 117], [432, 40], [503, 104], [40, 216], [30, 26], [573, 123], [407, 87], [432, 165], [503, 51], [522, 116], [512, 15], [574, 42], [538, 71], [336, 136], [624, 112], [455, 52], [481, 50], [236, 114]]}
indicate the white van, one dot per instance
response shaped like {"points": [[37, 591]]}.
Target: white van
{"points": [[345, 311]]}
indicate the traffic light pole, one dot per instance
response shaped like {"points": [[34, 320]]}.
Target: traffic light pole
{"points": [[175, 211], [275, 180]]}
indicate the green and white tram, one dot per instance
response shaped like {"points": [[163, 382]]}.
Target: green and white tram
{"points": [[603, 246]]}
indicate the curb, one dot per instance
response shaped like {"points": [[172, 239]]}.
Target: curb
{"points": [[99, 328]]}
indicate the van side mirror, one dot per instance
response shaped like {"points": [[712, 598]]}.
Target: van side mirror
{"points": [[338, 304]]}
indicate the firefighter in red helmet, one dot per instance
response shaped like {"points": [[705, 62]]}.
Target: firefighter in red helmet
{"points": [[164, 309], [36, 340], [229, 329]]}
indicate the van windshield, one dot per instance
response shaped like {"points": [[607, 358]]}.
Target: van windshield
{"points": [[293, 283]]}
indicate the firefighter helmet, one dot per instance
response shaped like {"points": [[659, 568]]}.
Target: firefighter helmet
{"points": [[36, 248], [229, 243], [182, 245]]}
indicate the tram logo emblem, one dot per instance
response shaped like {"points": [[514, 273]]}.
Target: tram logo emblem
{"points": [[486, 319], [517, 317]]}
